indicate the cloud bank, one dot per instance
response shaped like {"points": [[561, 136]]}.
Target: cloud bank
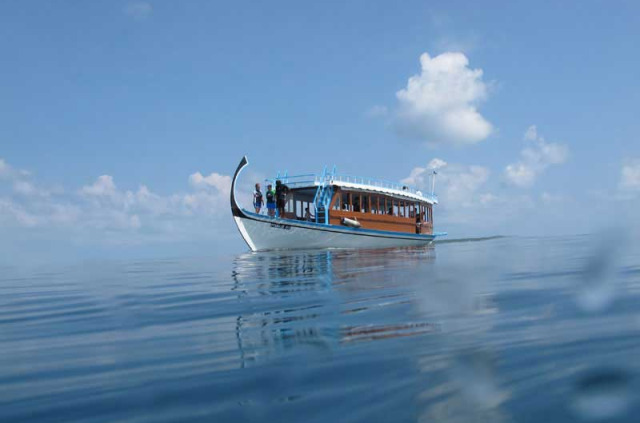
{"points": [[103, 211], [439, 105]]}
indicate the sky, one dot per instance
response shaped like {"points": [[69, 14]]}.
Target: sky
{"points": [[122, 121]]}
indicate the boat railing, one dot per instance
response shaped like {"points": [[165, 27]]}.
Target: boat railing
{"points": [[326, 178], [381, 183], [297, 180]]}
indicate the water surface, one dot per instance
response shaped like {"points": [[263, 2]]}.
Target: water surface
{"points": [[509, 329]]}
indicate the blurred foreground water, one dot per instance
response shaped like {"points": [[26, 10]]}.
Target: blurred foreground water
{"points": [[501, 330]]}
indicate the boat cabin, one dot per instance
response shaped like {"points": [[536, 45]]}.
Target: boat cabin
{"points": [[343, 200]]}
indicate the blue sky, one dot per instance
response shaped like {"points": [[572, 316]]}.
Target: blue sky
{"points": [[111, 110]]}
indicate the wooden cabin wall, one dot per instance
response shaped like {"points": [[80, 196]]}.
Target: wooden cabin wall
{"points": [[403, 222]]}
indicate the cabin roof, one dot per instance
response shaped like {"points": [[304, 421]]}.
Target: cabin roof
{"points": [[380, 186], [309, 189], [400, 193]]}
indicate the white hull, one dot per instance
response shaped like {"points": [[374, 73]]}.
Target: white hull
{"points": [[265, 233]]}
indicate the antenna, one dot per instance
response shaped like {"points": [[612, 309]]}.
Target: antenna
{"points": [[433, 183]]}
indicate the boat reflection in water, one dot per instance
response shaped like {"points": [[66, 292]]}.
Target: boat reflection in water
{"points": [[392, 325], [323, 298]]}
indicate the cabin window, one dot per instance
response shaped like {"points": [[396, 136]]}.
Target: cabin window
{"points": [[355, 201], [365, 203], [346, 201], [336, 203]]}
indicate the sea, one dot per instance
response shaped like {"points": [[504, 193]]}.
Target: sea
{"points": [[503, 329]]}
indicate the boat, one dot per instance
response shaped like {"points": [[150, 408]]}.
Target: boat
{"points": [[350, 212]]}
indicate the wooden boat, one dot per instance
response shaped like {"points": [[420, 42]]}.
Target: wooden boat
{"points": [[386, 214]]}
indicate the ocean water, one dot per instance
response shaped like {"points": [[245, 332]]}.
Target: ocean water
{"points": [[498, 330]]}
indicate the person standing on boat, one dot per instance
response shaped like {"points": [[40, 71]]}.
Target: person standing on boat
{"points": [[271, 201], [281, 197], [308, 216], [258, 201]]}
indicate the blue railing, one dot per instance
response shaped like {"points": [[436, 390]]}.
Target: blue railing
{"points": [[320, 189]]}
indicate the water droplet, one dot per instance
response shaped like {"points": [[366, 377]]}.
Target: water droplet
{"points": [[602, 394], [474, 372], [597, 288]]}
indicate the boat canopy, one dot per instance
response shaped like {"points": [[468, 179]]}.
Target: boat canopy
{"points": [[351, 182]]}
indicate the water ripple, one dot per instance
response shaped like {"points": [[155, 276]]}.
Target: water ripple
{"points": [[467, 331]]}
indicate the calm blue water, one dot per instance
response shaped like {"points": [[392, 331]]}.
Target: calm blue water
{"points": [[510, 329]]}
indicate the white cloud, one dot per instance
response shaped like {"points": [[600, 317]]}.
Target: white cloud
{"points": [[630, 176], [531, 134], [138, 9], [461, 183], [520, 174], [535, 159], [440, 104], [24, 188], [419, 176], [456, 185], [469, 203], [102, 187], [13, 211], [9, 172], [220, 182], [436, 164]]}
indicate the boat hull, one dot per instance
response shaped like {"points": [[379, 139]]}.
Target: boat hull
{"points": [[267, 233]]}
